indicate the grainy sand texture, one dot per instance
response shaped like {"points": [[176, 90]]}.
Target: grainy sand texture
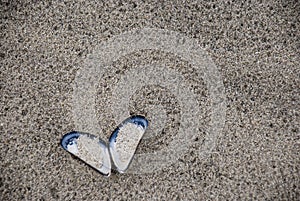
{"points": [[254, 46]]}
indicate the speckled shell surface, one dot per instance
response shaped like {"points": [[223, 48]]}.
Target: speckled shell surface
{"points": [[92, 151], [124, 141]]}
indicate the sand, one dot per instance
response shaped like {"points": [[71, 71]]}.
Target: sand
{"points": [[255, 47]]}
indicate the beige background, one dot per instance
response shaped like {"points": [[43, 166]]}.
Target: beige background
{"points": [[255, 47]]}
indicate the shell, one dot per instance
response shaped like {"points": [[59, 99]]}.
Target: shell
{"points": [[89, 149], [124, 141]]}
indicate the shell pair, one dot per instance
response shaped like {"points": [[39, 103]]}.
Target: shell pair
{"points": [[120, 149]]}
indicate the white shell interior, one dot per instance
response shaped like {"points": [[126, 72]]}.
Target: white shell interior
{"points": [[122, 149], [93, 152]]}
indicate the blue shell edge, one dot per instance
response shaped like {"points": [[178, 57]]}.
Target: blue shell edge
{"points": [[137, 119], [69, 137]]}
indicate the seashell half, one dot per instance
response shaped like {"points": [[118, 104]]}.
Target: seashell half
{"points": [[89, 149], [124, 141]]}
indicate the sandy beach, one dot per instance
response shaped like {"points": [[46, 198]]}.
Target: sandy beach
{"points": [[218, 82]]}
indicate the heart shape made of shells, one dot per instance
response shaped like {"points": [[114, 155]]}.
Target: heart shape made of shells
{"points": [[120, 150]]}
